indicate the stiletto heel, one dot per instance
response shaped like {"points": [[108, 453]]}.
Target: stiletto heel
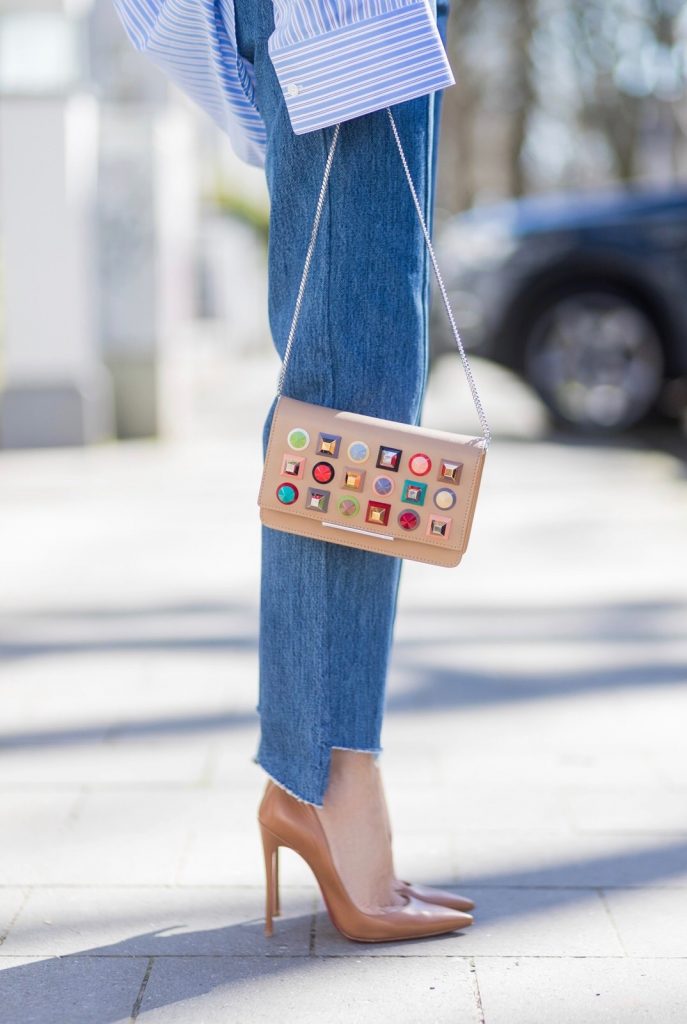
{"points": [[286, 821], [270, 846], [276, 910]]}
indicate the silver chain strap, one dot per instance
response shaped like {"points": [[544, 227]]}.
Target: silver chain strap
{"points": [[308, 260]]}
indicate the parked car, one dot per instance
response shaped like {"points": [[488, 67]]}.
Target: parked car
{"points": [[584, 295]]}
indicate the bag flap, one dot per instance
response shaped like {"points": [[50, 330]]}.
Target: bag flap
{"points": [[377, 476]]}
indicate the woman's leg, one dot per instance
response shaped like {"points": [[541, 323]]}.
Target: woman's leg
{"points": [[327, 611]]}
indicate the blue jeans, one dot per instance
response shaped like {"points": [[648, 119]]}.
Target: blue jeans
{"points": [[327, 611]]}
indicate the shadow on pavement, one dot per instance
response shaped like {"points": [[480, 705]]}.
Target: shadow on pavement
{"points": [[428, 688], [46, 990]]}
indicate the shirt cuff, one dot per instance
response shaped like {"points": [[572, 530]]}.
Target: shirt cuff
{"points": [[362, 67]]}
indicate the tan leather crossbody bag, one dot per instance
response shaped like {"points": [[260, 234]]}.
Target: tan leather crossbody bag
{"points": [[346, 478]]}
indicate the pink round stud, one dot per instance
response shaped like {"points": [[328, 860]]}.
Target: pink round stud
{"points": [[420, 464]]}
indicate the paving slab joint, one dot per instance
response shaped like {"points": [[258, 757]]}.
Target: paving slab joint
{"points": [[476, 991], [13, 919], [611, 919], [313, 925], [136, 1009]]}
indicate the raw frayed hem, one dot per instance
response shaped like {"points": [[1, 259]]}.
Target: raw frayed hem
{"points": [[376, 751], [301, 800]]}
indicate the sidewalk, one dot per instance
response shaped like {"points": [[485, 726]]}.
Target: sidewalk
{"points": [[534, 751]]}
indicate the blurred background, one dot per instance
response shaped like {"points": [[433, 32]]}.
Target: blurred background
{"points": [[133, 241]]}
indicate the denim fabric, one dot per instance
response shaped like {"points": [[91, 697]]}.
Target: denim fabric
{"points": [[327, 611]]}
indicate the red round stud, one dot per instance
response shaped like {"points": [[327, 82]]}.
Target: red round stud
{"points": [[409, 520], [323, 472]]}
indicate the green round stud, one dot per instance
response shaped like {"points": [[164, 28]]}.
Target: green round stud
{"points": [[298, 439]]}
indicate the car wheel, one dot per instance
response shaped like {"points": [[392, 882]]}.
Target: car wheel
{"points": [[595, 357]]}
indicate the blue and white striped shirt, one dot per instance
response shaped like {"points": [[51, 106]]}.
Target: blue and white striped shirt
{"points": [[335, 59]]}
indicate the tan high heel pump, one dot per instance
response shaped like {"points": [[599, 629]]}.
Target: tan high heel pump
{"points": [[286, 821]]}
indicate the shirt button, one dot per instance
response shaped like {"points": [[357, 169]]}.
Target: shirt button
{"points": [[292, 89]]}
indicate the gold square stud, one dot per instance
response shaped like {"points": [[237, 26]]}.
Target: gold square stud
{"points": [[353, 479], [378, 513], [328, 444], [450, 471]]}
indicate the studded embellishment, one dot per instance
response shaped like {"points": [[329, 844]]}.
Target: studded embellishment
{"points": [[389, 458], [328, 444], [349, 506], [358, 451], [377, 512], [293, 465], [298, 439], [450, 471], [408, 520], [420, 464], [323, 472], [445, 498], [439, 526], [413, 492], [317, 500], [383, 485], [287, 494], [354, 479]]}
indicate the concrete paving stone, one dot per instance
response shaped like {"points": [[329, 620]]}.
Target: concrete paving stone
{"points": [[410, 803], [650, 923], [544, 767], [10, 901], [623, 809], [54, 694], [477, 805], [224, 846], [309, 991], [225, 849], [140, 921], [539, 922], [125, 759], [90, 990], [232, 761], [131, 836], [398, 769], [425, 854], [593, 990], [34, 826], [555, 858], [671, 767]]}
